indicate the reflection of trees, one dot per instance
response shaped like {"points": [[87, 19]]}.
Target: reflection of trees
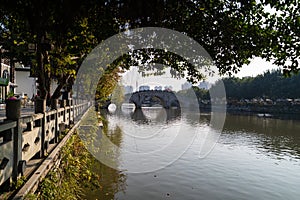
{"points": [[271, 136], [278, 137], [267, 126], [173, 114], [194, 118], [112, 181]]}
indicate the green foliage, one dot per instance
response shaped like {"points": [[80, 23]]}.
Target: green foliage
{"points": [[201, 93], [190, 93], [10, 94], [30, 197], [112, 181], [269, 85], [107, 83], [232, 31], [73, 174], [118, 94], [19, 183], [62, 38]]}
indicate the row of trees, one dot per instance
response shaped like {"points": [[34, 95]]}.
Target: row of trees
{"points": [[63, 32], [270, 85]]}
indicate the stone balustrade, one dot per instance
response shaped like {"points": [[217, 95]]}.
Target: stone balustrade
{"points": [[31, 136]]}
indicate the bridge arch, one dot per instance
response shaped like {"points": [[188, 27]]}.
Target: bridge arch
{"points": [[168, 99]]}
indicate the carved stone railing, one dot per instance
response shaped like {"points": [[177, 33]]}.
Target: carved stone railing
{"points": [[31, 137]]}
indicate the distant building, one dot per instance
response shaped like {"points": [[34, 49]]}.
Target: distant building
{"points": [[144, 87], [168, 88], [158, 88], [204, 85], [128, 89], [186, 86]]}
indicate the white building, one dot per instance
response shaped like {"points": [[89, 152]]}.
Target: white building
{"points": [[158, 88], [128, 89], [144, 87], [168, 88], [26, 84]]}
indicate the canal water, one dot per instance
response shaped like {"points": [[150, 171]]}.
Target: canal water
{"points": [[253, 158]]}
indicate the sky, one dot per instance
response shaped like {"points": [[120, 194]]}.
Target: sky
{"points": [[256, 67], [133, 78]]}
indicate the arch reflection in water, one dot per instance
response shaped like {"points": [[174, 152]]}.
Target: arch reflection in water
{"points": [[127, 108], [155, 114]]}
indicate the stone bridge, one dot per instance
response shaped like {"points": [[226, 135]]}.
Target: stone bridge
{"points": [[150, 97]]}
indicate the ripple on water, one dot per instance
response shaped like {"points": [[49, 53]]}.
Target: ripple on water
{"points": [[253, 159]]}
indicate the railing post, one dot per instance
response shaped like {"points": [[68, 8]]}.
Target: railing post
{"points": [[54, 103], [56, 137], [73, 109], [40, 107], [71, 115], [76, 110], [63, 103], [17, 134], [17, 149], [64, 117], [69, 111]]}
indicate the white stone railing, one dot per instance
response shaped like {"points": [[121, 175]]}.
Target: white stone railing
{"points": [[32, 137]]}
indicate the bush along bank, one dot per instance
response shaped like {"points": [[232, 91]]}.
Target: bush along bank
{"points": [[71, 176]]}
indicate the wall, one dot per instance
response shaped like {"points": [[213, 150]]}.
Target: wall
{"points": [[25, 83]]}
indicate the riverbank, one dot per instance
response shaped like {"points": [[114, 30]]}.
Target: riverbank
{"points": [[253, 109], [271, 109]]}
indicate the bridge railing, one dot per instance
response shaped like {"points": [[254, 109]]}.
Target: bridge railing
{"points": [[32, 136]]}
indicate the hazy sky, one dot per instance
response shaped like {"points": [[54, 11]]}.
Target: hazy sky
{"points": [[133, 78], [256, 67]]}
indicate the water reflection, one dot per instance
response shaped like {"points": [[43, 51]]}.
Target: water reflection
{"points": [[112, 181], [155, 114], [229, 169], [273, 137]]}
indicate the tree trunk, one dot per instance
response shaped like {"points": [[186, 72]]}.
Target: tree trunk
{"points": [[57, 93], [40, 69]]}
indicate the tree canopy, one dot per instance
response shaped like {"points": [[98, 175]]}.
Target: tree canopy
{"points": [[270, 85], [65, 31]]}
